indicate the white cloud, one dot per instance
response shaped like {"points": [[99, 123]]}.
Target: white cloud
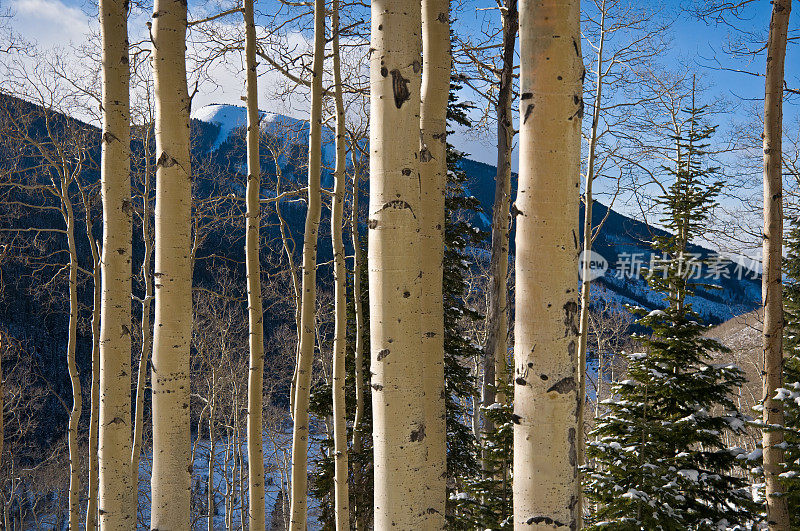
{"points": [[50, 23]]}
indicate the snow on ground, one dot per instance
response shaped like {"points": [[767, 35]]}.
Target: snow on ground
{"points": [[277, 463]]}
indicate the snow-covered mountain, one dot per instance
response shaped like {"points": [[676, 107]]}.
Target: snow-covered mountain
{"points": [[729, 289]]}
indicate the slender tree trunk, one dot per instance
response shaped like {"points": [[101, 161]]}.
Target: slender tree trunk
{"points": [[147, 337], [546, 485], [211, 450], [586, 281], [777, 507], [435, 89], [173, 272], [305, 355], [72, 368], [255, 382], [358, 416], [114, 447], [341, 470], [94, 433], [398, 410], [495, 372]]}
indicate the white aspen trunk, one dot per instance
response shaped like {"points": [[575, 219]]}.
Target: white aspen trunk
{"points": [[435, 89], [495, 371], [341, 470], [358, 356], [586, 281], [772, 296], [305, 354], [147, 337], [72, 368], [115, 497], [211, 449], [94, 397], [397, 364], [170, 487], [255, 382], [546, 483]]}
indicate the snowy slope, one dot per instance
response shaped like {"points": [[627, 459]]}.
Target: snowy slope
{"points": [[287, 130], [620, 238]]}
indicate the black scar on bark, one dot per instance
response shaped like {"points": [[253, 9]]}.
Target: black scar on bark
{"points": [[544, 520], [383, 353], [398, 204], [573, 452], [400, 88], [516, 419], [564, 385], [570, 309], [526, 95], [418, 434], [520, 381], [528, 111]]}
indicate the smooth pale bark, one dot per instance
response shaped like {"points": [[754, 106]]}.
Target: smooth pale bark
{"points": [[305, 354], [546, 485], [436, 62], [358, 354], [115, 500], [397, 364], [146, 330], [586, 281], [495, 363], [72, 368], [173, 272], [255, 382], [341, 503], [772, 290], [211, 501], [92, 488]]}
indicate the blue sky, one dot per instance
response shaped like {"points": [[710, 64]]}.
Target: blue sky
{"points": [[696, 46]]}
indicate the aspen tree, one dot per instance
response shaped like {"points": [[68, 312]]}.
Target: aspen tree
{"points": [[436, 63], [358, 348], [94, 394], [115, 501], [772, 299], [72, 368], [585, 279], [147, 333], [546, 485], [255, 382], [341, 472], [495, 370], [173, 271], [394, 251], [305, 353]]}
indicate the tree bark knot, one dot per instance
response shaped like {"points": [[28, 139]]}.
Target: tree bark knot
{"points": [[400, 88]]}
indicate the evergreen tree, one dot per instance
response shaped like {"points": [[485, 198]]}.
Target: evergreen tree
{"points": [[790, 394], [658, 460], [477, 499], [321, 484], [459, 236], [485, 500]]}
